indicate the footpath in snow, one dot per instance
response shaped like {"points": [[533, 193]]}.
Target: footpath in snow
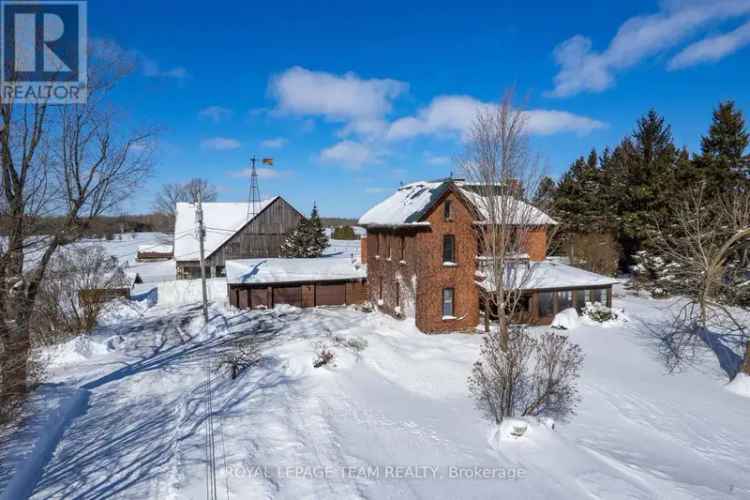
{"points": [[125, 415]]}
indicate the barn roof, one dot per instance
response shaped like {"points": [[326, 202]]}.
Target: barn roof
{"points": [[411, 203], [280, 270], [222, 221]]}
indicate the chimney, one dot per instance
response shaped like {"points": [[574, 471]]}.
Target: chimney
{"points": [[363, 249]]}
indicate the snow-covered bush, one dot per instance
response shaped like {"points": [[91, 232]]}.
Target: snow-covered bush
{"points": [[324, 357], [598, 312], [653, 273], [534, 377]]}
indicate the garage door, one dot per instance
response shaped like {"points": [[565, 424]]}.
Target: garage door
{"points": [[258, 297], [330, 295], [288, 295]]}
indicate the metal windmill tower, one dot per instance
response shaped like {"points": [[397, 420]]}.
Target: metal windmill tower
{"points": [[254, 196]]}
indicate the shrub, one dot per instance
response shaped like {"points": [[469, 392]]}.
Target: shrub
{"points": [[598, 312], [243, 354], [324, 357], [533, 378]]}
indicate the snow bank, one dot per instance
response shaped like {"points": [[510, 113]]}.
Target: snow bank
{"points": [[566, 320], [519, 429], [740, 385], [181, 292]]}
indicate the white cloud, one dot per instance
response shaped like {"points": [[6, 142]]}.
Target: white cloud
{"points": [[275, 143], [263, 173], [456, 114], [711, 49], [220, 144], [109, 51], [215, 113], [152, 69], [436, 160], [585, 70], [349, 154], [344, 98]]}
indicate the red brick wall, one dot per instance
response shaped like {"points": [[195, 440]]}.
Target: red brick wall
{"points": [[433, 276], [363, 249], [397, 274], [537, 243]]}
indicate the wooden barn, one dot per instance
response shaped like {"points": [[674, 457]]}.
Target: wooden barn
{"points": [[231, 234]]}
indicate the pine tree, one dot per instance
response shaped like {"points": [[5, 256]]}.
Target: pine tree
{"points": [[545, 194], [578, 202], [318, 238], [723, 164], [308, 239]]}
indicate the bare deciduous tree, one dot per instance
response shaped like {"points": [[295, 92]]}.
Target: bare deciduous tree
{"points": [[697, 245], [500, 169], [74, 162], [532, 377], [171, 194]]}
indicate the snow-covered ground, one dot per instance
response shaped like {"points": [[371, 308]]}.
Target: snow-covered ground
{"points": [[124, 414]]}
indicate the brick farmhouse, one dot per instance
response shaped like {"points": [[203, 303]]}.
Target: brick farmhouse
{"points": [[422, 255]]}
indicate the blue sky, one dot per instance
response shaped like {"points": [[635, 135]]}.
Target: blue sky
{"points": [[351, 99]]}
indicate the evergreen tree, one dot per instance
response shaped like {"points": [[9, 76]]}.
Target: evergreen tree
{"points": [[578, 202], [723, 164], [545, 194], [308, 239], [318, 238], [641, 179]]}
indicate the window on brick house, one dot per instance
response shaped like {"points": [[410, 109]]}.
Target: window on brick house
{"points": [[449, 248], [447, 210], [403, 248], [448, 302]]}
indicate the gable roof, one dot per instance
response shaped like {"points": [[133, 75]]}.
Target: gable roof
{"points": [[222, 221], [410, 203]]}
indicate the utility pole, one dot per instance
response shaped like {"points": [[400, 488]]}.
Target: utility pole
{"points": [[201, 237]]}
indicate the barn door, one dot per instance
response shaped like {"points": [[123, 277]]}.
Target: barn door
{"points": [[291, 295], [330, 294]]}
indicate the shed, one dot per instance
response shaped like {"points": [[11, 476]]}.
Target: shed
{"points": [[324, 281]]}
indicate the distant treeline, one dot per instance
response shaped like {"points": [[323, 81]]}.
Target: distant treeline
{"points": [[104, 226], [337, 221]]}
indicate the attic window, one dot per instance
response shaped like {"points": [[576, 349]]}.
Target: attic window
{"points": [[447, 210]]}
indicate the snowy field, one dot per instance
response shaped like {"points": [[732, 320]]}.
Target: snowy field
{"points": [[124, 415]]}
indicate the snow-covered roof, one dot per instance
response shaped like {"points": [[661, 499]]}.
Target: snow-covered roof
{"points": [[406, 206], [278, 270], [222, 221], [155, 249], [549, 274], [409, 204], [519, 212]]}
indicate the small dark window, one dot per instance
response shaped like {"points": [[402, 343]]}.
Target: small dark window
{"points": [[448, 302], [580, 298], [564, 299], [447, 210], [403, 248], [449, 248], [546, 304]]}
